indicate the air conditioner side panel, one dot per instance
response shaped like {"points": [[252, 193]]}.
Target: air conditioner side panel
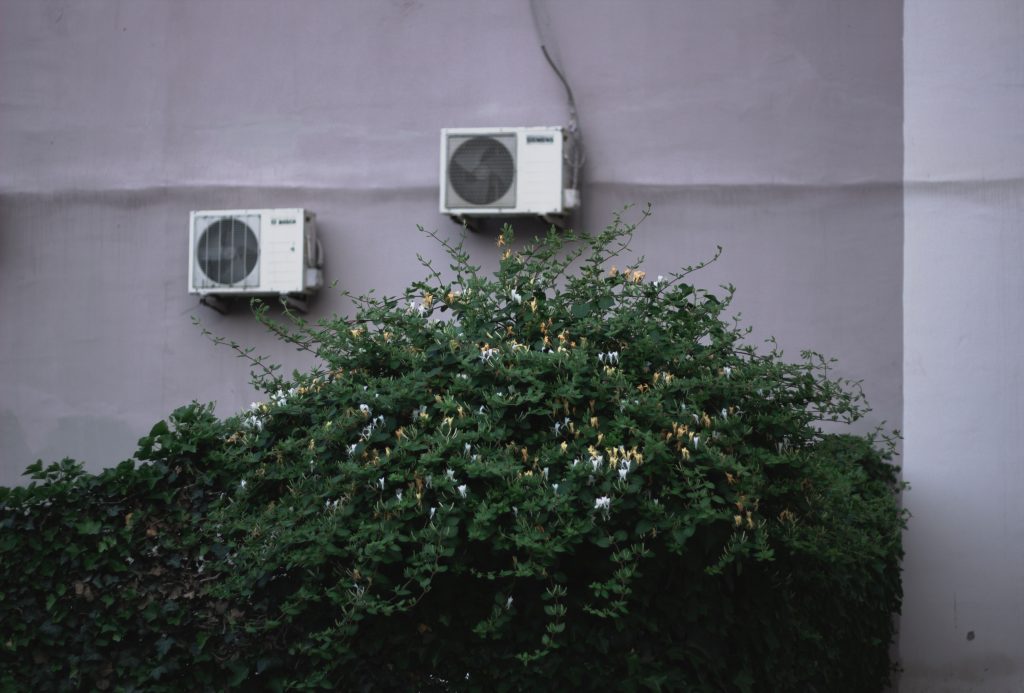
{"points": [[539, 172], [192, 252], [282, 253]]}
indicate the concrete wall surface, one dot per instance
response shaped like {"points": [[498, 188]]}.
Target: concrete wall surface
{"points": [[963, 619]]}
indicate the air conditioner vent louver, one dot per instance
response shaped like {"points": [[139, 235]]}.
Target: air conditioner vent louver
{"points": [[253, 252]]}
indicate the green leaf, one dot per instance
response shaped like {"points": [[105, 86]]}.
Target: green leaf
{"points": [[89, 527]]}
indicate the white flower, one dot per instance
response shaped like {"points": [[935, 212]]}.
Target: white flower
{"points": [[450, 473], [728, 371], [433, 511], [398, 494], [515, 511], [352, 449], [462, 490], [554, 487], [596, 461], [365, 409], [516, 298], [575, 461], [696, 442], [623, 471], [603, 503], [466, 448], [380, 482], [725, 413], [659, 280], [508, 603], [241, 484], [545, 473]]}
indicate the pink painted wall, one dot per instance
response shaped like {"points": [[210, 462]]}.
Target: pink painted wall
{"points": [[771, 128]]}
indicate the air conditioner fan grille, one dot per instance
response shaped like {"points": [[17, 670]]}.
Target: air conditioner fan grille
{"points": [[227, 251], [482, 171]]}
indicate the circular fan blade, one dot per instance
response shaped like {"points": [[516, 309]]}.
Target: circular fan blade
{"points": [[481, 170], [227, 251]]}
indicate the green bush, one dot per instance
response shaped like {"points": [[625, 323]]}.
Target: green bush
{"points": [[562, 475], [105, 582]]}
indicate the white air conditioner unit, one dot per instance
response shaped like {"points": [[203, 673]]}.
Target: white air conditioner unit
{"points": [[253, 252], [504, 172]]}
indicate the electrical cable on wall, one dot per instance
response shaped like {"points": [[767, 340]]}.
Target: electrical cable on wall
{"points": [[576, 155]]}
